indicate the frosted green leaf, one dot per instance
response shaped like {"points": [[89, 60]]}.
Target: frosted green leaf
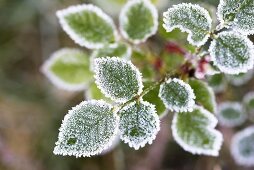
{"points": [[139, 124], [231, 114], [87, 129], [237, 14], [138, 20], [87, 25], [232, 53], [152, 97], [194, 132], [242, 148], [204, 94], [240, 79], [68, 69], [120, 50], [248, 102], [193, 19], [177, 95], [118, 79], [217, 82]]}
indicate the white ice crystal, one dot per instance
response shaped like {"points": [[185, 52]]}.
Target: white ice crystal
{"points": [[118, 79], [139, 124], [242, 147], [87, 129], [177, 95], [237, 14], [231, 114], [194, 132], [193, 19], [232, 52], [138, 20], [87, 25]]}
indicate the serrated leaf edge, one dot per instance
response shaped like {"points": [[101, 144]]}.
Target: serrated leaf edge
{"points": [[169, 28], [45, 69], [191, 97], [241, 160], [123, 19], [99, 150], [240, 69], [194, 150], [116, 59], [156, 130], [77, 9]]}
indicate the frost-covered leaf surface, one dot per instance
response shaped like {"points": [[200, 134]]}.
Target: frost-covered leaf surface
{"points": [[231, 114], [138, 20], [240, 79], [232, 53], [87, 25], [204, 94], [242, 148], [190, 18], [177, 95], [120, 50], [237, 14], [118, 79], [248, 101], [139, 124], [217, 82], [87, 129], [68, 69], [194, 132]]}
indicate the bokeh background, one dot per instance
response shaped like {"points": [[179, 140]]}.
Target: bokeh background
{"points": [[31, 108]]}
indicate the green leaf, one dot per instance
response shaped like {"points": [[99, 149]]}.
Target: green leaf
{"points": [[217, 82], [232, 53], [177, 95], [242, 147], [231, 114], [87, 129], [88, 25], [68, 69], [152, 97], [139, 124], [120, 50], [248, 102], [237, 14], [204, 94], [190, 18], [194, 132], [138, 20], [118, 79], [240, 79], [93, 92]]}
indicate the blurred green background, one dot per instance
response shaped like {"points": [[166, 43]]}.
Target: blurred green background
{"points": [[31, 108]]}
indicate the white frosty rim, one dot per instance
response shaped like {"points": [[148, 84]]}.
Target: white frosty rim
{"points": [[233, 25], [242, 68], [61, 14], [101, 103], [231, 122], [248, 97], [238, 157], [126, 56], [153, 134], [210, 127], [168, 27], [190, 100], [123, 19], [117, 60], [45, 69]]}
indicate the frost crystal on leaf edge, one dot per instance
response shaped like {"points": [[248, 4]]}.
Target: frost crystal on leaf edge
{"points": [[191, 97], [76, 9], [171, 28], [124, 19], [45, 69], [213, 122], [116, 59], [58, 151]]}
